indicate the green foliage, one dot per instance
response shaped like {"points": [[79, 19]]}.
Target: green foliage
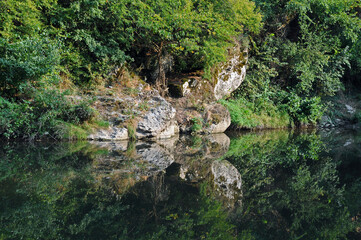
{"points": [[302, 110], [19, 18], [305, 48], [100, 35], [43, 116], [261, 113], [196, 33], [25, 62], [358, 116], [197, 124]]}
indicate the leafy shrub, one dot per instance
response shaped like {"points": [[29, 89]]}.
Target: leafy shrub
{"points": [[302, 110], [25, 61], [14, 118], [197, 124], [358, 116], [42, 116]]}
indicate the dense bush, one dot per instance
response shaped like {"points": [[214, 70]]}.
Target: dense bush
{"points": [[302, 54], [43, 116], [25, 62], [302, 110], [306, 44]]}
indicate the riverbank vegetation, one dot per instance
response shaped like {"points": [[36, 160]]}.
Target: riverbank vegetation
{"points": [[299, 51], [306, 51], [48, 44]]}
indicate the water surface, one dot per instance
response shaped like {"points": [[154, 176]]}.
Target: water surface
{"points": [[264, 185]]}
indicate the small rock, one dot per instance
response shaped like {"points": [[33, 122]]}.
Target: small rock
{"points": [[350, 109], [218, 118]]}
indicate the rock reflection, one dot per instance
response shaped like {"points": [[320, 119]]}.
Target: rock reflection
{"points": [[192, 160]]}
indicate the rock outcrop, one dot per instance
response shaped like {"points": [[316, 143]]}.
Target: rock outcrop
{"points": [[208, 118], [143, 113], [147, 115], [230, 74], [227, 77], [159, 121]]}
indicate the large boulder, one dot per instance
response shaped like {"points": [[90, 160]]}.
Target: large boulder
{"points": [[159, 121], [231, 74], [227, 77]]}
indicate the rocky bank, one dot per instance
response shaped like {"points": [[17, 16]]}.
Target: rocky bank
{"points": [[141, 112]]}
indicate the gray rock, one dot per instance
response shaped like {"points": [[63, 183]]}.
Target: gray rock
{"points": [[231, 74], [158, 122], [350, 109], [218, 118], [110, 134]]}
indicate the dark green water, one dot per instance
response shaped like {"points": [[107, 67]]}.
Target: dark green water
{"points": [[269, 185]]}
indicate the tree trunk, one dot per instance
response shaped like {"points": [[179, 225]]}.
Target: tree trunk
{"points": [[161, 81]]}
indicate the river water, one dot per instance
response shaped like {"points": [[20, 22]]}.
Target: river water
{"points": [[263, 185]]}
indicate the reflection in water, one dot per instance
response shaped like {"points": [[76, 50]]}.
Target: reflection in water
{"points": [[266, 185]]}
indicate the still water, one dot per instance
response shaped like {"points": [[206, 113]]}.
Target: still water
{"points": [[264, 185]]}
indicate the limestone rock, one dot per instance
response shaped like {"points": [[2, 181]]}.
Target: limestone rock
{"points": [[158, 122], [227, 77], [110, 134], [231, 74], [218, 118]]}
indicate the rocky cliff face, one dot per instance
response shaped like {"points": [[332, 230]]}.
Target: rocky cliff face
{"points": [[145, 114]]}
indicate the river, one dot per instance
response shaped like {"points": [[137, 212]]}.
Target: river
{"points": [[254, 185]]}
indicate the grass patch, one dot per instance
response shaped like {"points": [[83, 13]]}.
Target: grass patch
{"points": [[70, 131], [255, 115], [101, 123]]}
